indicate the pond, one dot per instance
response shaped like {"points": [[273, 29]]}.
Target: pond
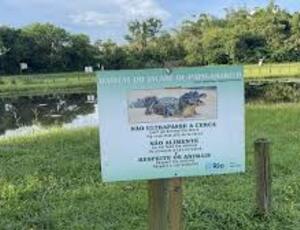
{"points": [[28, 114]]}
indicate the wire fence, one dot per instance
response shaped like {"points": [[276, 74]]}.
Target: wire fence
{"points": [[285, 70], [272, 70]]}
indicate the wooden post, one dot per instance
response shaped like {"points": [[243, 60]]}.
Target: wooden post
{"points": [[263, 176], [165, 204], [165, 195]]}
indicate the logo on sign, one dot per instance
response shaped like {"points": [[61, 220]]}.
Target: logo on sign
{"points": [[212, 166]]}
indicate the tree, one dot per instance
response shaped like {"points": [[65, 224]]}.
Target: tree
{"points": [[140, 33], [48, 42], [242, 36], [3, 49], [274, 24], [250, 47], [80, 53], [111, 56], [196, 35], [13, 49], [214, 46]]}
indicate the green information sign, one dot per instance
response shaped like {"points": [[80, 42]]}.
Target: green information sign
{"points": [[160, 123]]}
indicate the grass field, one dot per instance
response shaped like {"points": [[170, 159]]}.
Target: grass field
{"points": [[45, 83], [284, 70], [51, 181]]}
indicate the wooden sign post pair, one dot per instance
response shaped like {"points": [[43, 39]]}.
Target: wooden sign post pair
{"points": [[166, 195]]}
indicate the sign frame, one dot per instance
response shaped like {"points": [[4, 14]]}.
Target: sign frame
{"points": [[123, 127]]}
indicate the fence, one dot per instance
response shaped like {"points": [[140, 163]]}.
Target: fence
{"points": [[272, 70]]}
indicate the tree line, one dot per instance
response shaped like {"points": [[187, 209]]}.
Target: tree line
{"points": [[241, 36]]}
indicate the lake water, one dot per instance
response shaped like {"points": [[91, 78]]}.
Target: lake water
{"points": [[29, 114]]}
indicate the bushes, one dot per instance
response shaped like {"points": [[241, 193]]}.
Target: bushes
{"points": [[280, 92], [274, 92]]}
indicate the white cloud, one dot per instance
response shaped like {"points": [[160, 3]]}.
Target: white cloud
{"points": [[142, 9], [92, 18], [119, 12], [99, 18]]}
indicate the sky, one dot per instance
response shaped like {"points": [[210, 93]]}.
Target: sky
{"points": [[103, 19]]}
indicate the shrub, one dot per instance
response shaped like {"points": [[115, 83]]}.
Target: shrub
{"points": [[27, 81], [254, 91], [281, 92]]}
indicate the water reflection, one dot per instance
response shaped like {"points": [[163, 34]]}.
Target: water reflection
{"points": [[34, 112]]}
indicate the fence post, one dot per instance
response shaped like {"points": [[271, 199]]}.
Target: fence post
{"points": [[165, 204], [263, 176]]}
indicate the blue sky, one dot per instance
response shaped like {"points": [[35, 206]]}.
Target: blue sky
{"points": [[102, 19]]}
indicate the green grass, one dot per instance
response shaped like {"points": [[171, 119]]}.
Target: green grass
{"points": [[48, 83], [283, 70], [52, 181]]}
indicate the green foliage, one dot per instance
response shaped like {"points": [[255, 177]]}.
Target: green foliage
{"points": [[45, 48], [249, 47], [140, 33], [280, 92], [111, 56], [274, 92], [58, 186], [47, 84], [79, 52], [242, 36]]}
